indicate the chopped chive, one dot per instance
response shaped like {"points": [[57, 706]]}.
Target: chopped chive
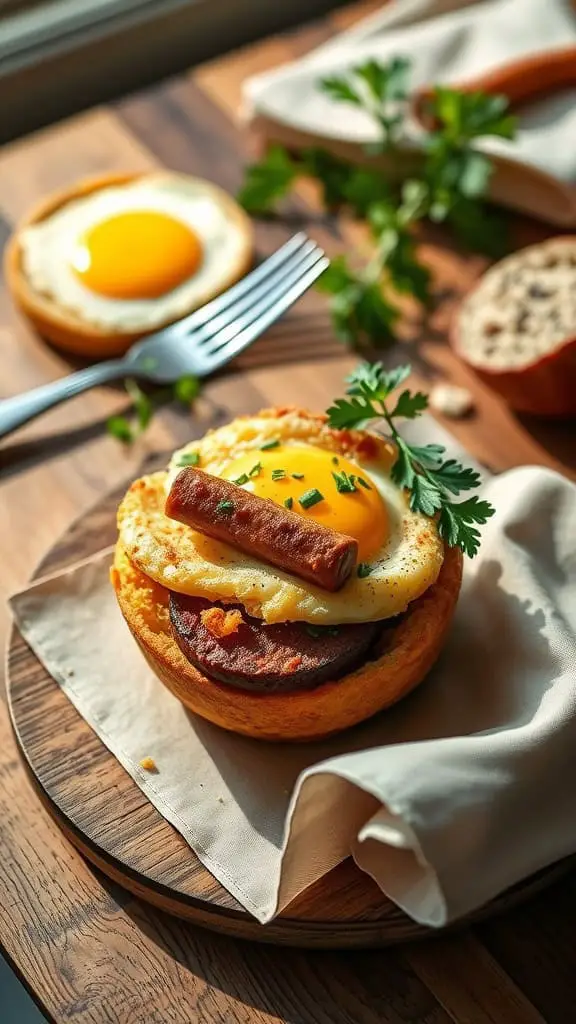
{"points": [[225, 507], [363, 569], [344, 483], [242, 479], [297, 476], [278, 474], [311, 497], [188, 459], [256, 469], [363, 483], [335, 460], [269, 445], [288, 502]]}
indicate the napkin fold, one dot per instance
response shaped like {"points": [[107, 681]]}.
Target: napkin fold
{"points": [[459, 791], [448, 42]]}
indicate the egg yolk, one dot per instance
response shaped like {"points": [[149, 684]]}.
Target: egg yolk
{"points": [[140, 254], [289, 471]]}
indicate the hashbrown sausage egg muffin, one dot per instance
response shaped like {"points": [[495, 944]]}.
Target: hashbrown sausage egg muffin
{"points": [[216, 575]]}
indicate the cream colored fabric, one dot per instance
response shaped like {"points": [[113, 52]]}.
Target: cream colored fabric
{"points": [[461, 790], [448, 41]]}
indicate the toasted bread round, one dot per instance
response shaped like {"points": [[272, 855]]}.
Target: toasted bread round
{"points": [[66, 329], [404, 652]]}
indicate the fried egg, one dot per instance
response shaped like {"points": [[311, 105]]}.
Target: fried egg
{"points": [[133, 256], [283, 454]]}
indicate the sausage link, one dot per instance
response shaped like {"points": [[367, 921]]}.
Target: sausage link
{"points": [[260, 527]]}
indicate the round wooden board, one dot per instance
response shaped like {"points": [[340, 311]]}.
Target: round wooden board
{"points": [[108, 818]]}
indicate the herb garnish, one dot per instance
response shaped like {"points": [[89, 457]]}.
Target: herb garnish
{"points": [[288, 502], [363, 483], [421, 469], [269, 445], [297, 476], [240, 480], [188, 459], [225, 507], [146, 403], [335, 460], [256, 469], [310, 498], [448, 186], [278, 474], [344, 482], [364, 569]]}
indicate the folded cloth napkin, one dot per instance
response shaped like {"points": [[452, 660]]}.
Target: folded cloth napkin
{"points": [[459, 791], [447, 41]]}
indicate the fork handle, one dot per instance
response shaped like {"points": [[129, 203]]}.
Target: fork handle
{"points": [[16, 411]]}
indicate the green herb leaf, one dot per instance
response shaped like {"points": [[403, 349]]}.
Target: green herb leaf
{"points": [[119, 427], [187, 389], [188, 459], [341, 89], [344, 483], [364, 569], [241, 480], [143, 406], [331, 172], [297, 476], [310, 498], [456, 478], [363, 483], [288, 502], [455, 522], [256, 470], [278, 474], [225, 507], [410, 405], [268, 181], [269, 445]]}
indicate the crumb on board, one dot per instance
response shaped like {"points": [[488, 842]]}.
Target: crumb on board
{"points": [[148, 764], [450, 400], [220, 799]]}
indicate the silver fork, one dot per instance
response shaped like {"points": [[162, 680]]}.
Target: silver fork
{"points": [[199, 344]]}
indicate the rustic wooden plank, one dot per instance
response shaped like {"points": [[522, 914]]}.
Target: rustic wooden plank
{"points": [[469, 982]]}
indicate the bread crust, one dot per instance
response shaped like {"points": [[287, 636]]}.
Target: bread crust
{"points": [[66, 330], [410, 647]]}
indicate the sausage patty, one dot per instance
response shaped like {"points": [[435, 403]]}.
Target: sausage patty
{"points": [[271, 657]]}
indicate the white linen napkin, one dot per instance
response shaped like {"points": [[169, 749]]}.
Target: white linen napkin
{"points": [[459, 791], [447, 41]]}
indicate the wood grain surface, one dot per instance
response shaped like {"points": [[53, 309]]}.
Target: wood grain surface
{"points": [[88, 950]]}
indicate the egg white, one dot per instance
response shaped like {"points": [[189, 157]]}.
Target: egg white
{"points": [[47, 248]]}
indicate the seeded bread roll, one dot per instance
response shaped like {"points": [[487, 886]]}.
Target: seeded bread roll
{"points": [[517, 328]]}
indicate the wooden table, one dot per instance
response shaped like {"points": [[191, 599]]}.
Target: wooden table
{"points": [[88, 950]]}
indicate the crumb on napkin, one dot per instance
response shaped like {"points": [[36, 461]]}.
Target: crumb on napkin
{"points": [[148, 764]]}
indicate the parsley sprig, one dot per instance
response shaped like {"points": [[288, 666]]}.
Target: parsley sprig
{"points": [[424, 470], [447, 186], [146, 403]]}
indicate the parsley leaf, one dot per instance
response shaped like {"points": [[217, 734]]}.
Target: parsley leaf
{"points": [[268, 181], [187, 389], [410, 405], [119, 427]]}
